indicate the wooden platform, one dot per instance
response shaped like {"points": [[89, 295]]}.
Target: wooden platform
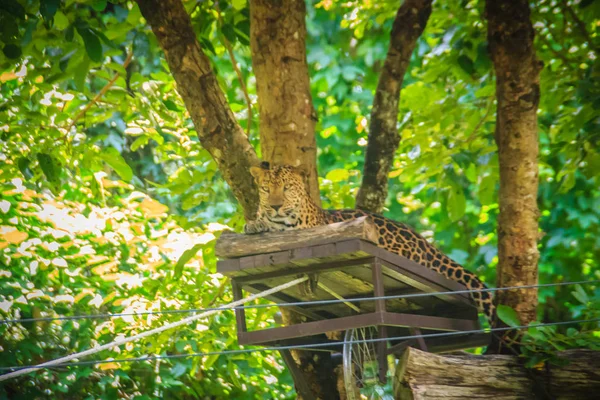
{"points": [[343, 263]]}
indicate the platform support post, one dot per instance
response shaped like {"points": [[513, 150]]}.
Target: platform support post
{"points": [[240, 313], [381, 346]]}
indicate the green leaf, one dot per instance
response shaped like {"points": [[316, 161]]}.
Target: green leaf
{"points": [[537, 334], [508, 315], [178, 370], [23, 164], [48, 8], [61, 21], [93, 47], [238, 4], [12, 51], [170, 104], [487, 190], [139, 142], [51, 169], [99, 5], [206, 44], [229, 33], [466, 64], [114, 159], [337, 175], [141, 45], [580, 295], [81, 73], [457, 203], [14, 8], [185, 257]]}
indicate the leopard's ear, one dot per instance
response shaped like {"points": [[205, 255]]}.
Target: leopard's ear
{"points": [[257, 172]]}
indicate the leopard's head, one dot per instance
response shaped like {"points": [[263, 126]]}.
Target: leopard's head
{"points": [[281, 191]]}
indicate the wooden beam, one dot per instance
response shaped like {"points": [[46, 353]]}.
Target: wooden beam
{"points": [[426, 376], [233, 245]]}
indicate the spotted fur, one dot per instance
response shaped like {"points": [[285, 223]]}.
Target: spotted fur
{"points": [[285, 204]]}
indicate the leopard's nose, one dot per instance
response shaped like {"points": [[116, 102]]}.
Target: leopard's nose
{"points": [[276, 207]]}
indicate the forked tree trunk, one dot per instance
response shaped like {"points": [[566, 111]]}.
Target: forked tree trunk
{"points": [[510, 36], [287, 117], [384, 137], [217, 128]]}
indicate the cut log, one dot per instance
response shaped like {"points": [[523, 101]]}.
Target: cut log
{"points": [[426, 376], [234, 245]]}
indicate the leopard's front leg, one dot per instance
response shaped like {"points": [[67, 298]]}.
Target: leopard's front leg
{"points": [[256, 226]]}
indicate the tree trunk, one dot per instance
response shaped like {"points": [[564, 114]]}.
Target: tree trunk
{"points": [[510, 36], [217, 128], [287, 117], [384, 137], [287, 131], [423, 376]]}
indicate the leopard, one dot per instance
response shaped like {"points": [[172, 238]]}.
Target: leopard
{"points": [[285, 204]]}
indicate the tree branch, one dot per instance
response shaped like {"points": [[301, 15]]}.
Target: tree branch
{"points": [[287, 116], [98, 96], [240, 77], [384, 138], [218, 131]]}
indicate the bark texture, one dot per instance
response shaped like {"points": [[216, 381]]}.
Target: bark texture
{"points": [[384, 137], [215, 123], [287, 129], [423, 376], [510, 37], [287, 117]]}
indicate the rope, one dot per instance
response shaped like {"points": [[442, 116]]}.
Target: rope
{"points": [[292, 304], [150, 332], [31, 368]]}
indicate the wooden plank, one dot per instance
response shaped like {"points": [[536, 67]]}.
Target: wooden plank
{"points": [[293, 269], [234, 245], [357, 321]]}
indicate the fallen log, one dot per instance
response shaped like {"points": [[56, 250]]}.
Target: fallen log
{"points": [[426, 376]]}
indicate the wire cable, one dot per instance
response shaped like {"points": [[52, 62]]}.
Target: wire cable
{"points": [[292, 347], [291, 304], [151, 332]]}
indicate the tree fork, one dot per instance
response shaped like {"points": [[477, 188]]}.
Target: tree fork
{"points": [[384, 137], [218, 131], [510, 37]]}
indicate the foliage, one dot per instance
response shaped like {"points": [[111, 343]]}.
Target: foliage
{"points": [[110, 149]]}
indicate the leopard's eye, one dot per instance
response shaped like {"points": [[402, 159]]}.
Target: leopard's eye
{"points": [[286, 188], [264, 188]]}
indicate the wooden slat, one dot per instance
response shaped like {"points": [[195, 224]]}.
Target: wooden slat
{"points": [[234, 245]]}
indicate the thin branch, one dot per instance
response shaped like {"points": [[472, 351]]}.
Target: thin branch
{"points": [[567, 9], [488, 110], [237, 70], [558, 54], [101, 93]]}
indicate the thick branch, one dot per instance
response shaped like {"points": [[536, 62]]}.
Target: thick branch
{"points": [[218, 131], [510, 37], [287, 116], [384, 137]]}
